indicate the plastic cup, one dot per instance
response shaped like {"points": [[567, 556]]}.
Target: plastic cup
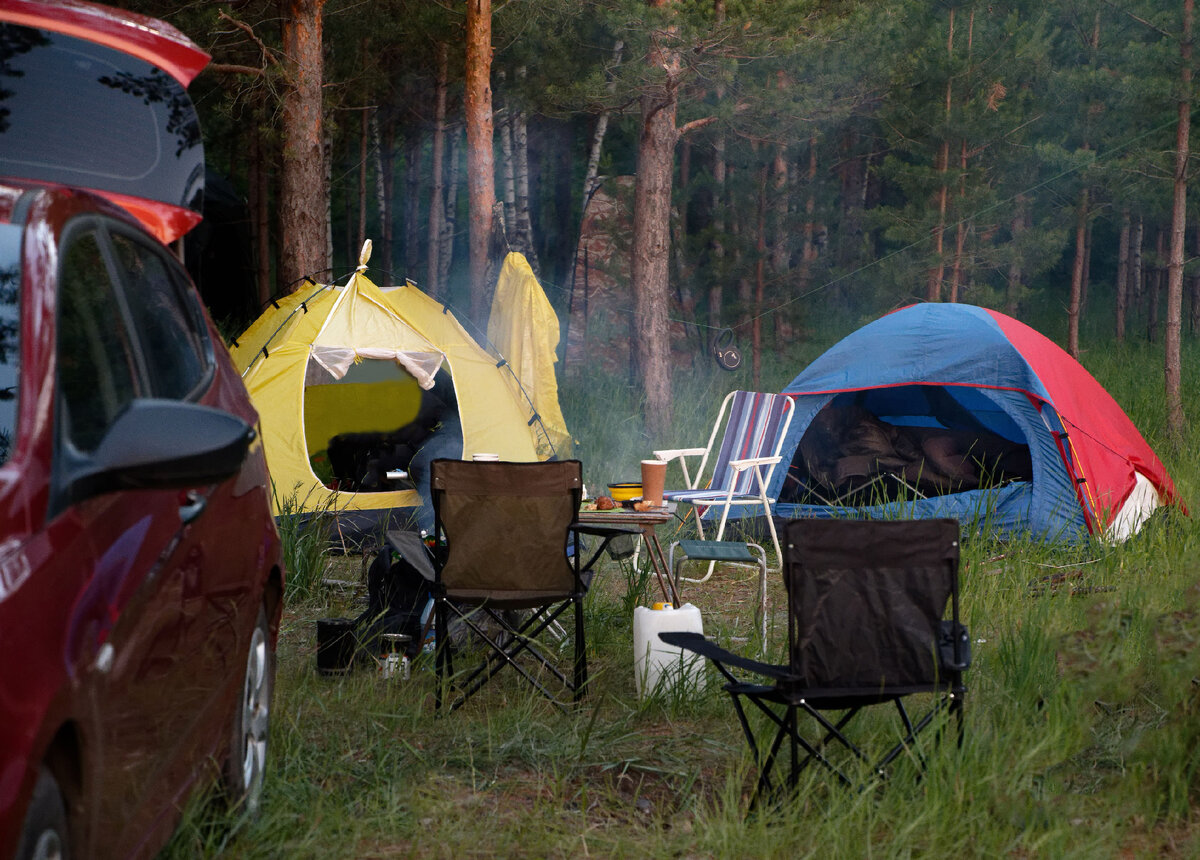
{"points": [[654, 475]]}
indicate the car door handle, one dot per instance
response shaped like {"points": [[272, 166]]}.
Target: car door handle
{"points": [[192, 505]]}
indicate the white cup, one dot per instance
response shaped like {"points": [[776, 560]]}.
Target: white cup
{"points": [[486, 458]]}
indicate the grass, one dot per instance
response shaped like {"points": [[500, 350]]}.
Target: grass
{"points": [[1083, 716]]}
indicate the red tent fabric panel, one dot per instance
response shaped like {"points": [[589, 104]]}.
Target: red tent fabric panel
{"points": [[1107, 444]]}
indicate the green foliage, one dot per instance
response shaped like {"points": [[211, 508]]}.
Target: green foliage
{"points": [[305, 537]]}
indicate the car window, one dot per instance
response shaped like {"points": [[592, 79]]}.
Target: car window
{"points": [[83, 114], [10, 329], [96, 369], [164, 318]]}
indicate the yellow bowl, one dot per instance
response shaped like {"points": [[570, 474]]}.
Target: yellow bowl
{"points": [[625, 492]]}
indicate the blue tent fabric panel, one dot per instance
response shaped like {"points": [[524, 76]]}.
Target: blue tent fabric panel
{"points": [[923, 344]]}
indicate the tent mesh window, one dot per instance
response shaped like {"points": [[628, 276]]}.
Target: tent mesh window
{"points": [[884, 445], [356, 428]]}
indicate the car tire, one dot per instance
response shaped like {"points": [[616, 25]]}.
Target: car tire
{"points": [[245, 767], [44, 833]]}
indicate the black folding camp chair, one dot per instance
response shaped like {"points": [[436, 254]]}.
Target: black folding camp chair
{"points": [[866, 602], [508, 540]]}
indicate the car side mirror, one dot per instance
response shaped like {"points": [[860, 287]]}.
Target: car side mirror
{"points": [[164, 444]]}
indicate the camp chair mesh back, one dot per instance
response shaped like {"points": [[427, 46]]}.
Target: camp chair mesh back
{"points": [[504, 531], [744, 463], [866, 601]]}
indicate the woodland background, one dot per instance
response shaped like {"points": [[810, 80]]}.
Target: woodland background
{"points": [[790, 159]]}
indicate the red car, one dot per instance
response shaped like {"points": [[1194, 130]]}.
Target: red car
{"points": [[140, 574]]}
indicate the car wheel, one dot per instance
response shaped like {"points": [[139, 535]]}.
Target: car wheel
{"points": [[44, 834], [245, 768]]}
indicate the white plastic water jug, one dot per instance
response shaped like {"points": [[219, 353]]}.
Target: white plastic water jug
{"points": [[653, 659]]}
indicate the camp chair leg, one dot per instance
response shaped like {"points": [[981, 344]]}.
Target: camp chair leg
{"points": [[580, 651], [523, 639], [443, 661]]}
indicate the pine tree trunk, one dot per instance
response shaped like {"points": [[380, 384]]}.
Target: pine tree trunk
{"points": [[1174, 366], [1123, 273], [1154, 293], [1077, 275], [933, 288], [960, 232], [437, 213], [302, 196], [1137, 266], [780, 250], [481, 179], [1087, 270], [679, 236], [716, 288], [650, 253], [1016, 272], [1194, 326], [364, 148], [260, 214], [760, 246]]}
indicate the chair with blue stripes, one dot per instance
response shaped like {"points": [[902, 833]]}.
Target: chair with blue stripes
{"points": [[755, 425]]}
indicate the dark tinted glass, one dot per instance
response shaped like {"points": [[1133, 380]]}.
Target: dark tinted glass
{"points": [[10, 330], [85, 115], [95, 362], [164, 319]]}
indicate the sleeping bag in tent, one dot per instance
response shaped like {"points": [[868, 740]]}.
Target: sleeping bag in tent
{"points": [[952, 410]]}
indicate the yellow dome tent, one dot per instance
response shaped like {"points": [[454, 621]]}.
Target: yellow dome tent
{"points": [[329, 360]]}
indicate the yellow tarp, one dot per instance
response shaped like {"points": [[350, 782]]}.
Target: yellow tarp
{"points": [[524, 329], [333, 359]]}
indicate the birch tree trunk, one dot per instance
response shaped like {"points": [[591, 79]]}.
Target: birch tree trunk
{"points": [[384, 138], [302, 195], [412, 201], [481, 169], [450, 221], [508, 181], [522, 222], [1175, 418]]}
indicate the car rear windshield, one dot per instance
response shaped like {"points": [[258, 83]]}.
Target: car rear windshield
{"points": [[10, 329], [85, 115]]}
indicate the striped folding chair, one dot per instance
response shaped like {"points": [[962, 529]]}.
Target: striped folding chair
{"points": [[754, 427]]}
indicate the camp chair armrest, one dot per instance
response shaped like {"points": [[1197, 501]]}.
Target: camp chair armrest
{"points": [[742, 465], [695, 642], [669, 454]]}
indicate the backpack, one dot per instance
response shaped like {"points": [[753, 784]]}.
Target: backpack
{"points": [[397, 596]]}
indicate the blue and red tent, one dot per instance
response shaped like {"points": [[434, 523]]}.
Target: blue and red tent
{"points": [[931, 375]]}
